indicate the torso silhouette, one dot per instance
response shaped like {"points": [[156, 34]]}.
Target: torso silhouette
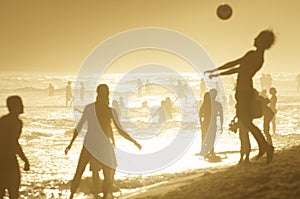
{"points": [[105, 120], [249, 65], [10, 131]]}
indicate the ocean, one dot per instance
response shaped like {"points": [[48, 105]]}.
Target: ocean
{"points": [[48, 124]]}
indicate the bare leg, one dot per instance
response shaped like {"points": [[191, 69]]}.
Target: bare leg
{"points": [[267, 131], [245, 143], [14, 180], [96, 181], [274, 124], [84, 158], [108, 180], [264, 147]]}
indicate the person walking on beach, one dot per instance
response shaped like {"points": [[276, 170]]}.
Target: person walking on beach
{"points": [[248, 65], [10, 131], [273, 102], [210, 110], [99, 140], [69, 95]]}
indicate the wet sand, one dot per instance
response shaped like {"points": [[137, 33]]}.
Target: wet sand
{"points": [[279, 179]]}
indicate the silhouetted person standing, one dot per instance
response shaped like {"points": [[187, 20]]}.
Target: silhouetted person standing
{"points": [[50, 90], [273, 102], [268, 115], [210, 110], [99, 140], [169, 107], [69, 95], [11, 128], [246, 67]]}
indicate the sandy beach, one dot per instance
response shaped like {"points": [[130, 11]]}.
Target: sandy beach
{"points": [[280, 179]]}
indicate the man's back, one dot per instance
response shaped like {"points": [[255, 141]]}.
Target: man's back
{"points": [[10, 130]]}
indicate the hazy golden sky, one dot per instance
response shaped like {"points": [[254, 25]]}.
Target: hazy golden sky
{"points": [[57, 35]]}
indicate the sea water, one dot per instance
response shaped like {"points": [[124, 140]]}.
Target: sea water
{"points": [[48, 123]]}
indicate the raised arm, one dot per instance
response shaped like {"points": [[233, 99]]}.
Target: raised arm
{"points": [[228, 72], [122, 132], [226, 66]]}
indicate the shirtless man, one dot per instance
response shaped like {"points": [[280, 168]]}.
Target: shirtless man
{"points": [[10, 131]]}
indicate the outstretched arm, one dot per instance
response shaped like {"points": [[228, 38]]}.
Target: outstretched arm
{"points": [[122, 132], [228, 72], [226, 66]]}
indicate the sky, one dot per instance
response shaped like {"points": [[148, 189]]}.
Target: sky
{"points": [[58, 35]]}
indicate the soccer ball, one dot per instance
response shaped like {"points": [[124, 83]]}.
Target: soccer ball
{"points": [[224, 11]]}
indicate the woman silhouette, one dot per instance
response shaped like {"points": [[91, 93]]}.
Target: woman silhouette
{"points": [[99, 140], [246, 67]]}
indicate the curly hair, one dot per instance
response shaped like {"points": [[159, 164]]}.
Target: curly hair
{"points": [[267, 38]]}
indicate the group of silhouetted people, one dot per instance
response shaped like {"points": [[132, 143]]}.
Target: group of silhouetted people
{"points": [[68, 92], [99, 141]]}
